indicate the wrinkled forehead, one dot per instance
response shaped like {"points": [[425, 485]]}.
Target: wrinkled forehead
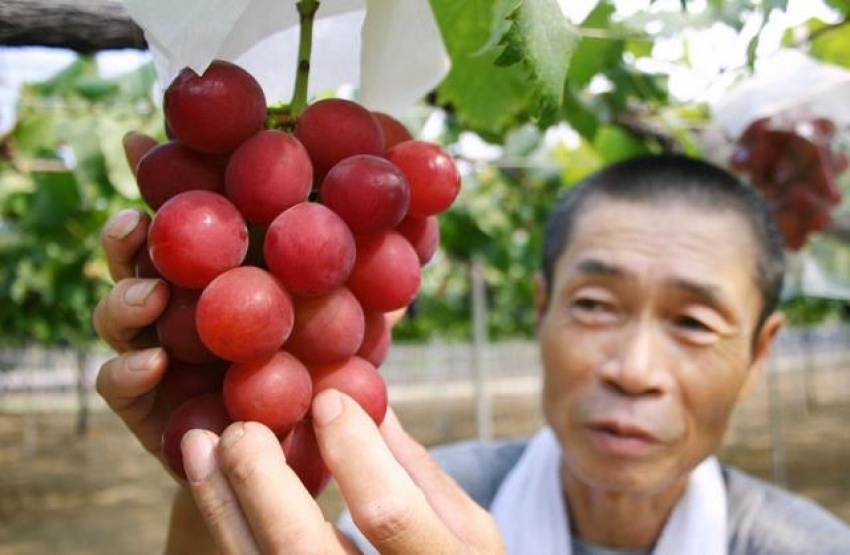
{"points": [[665, 234]]}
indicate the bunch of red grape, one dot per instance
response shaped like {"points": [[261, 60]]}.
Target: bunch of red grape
{"points": [[795, 168], [285, 252]]}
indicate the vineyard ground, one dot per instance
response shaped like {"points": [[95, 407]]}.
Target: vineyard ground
{"points": [[101, 494]]}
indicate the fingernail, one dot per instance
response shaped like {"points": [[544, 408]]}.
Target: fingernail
{"points": [[232, 434], [198, 455], [136, 294], [143, 360], [327, 406], [122, 223]]}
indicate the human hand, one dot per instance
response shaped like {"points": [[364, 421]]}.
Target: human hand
{"points": [[122, 319], [253, 503]]}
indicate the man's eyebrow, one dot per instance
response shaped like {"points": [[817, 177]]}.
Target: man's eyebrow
{"points": [[708, 293], [594, 266]]}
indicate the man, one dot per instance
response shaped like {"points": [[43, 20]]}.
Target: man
{"points": [[656, 314]]}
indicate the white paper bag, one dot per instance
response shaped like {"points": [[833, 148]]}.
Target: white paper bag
{"points": [[391, 49]]}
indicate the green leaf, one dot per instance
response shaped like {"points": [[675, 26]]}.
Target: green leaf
{"points": [[500, 24], [581, 117], [484, 98], [614, 144], [771, 5], [577, 163], [34, 130], [109, 134], [56, 200], [544, 39], [639, 48], [752, 49], [595, 55], [789, 38], [138, 83], [630, 84], [842, 6], [11, 183], [833, 46], [64, 82], [96, 88], [82, 136]]}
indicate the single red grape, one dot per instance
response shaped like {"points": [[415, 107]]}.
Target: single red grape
{"points": [[303, 456], [423, 234], [377, 337], [310, 249], [217, 111], [205, 412], [183, 381], [357, 378], [394, 131], [171, 168], [275, 391], [431, 174], [143, 265], [370, 194], [327, 329], [386, 273], [176, 328], [267, 174], [333, 129], [244, 314], [196, 236]]}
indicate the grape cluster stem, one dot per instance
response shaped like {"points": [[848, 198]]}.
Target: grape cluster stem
{"points": [[307, 14]]}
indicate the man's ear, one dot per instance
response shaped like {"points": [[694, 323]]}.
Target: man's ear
{"points": [[540, 300], [761, 350]]}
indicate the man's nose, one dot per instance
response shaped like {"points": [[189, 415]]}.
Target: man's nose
{"points": [[638, 363]]}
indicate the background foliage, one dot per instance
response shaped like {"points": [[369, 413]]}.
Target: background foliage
{"points": [[62, 175]]}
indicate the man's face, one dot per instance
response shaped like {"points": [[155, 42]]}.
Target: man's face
{"points": [[646, 341]]}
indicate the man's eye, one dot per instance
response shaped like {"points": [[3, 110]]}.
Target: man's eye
{"points": [[690, 323], [590, 305], [593, 312]]}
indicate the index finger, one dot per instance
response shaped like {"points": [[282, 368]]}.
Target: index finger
{"points": [[385, 503], [461, 514]]}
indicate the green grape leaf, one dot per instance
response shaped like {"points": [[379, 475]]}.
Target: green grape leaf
{"points": [[593, 55], [544, 40], [483, 97]]}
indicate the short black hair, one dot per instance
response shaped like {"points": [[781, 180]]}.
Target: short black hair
{"points": [[673, 177]]}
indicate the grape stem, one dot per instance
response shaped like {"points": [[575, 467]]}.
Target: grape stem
{"points": [[306, 12]]}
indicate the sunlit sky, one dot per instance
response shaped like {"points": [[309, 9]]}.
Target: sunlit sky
{"points": [[712, 52]]}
